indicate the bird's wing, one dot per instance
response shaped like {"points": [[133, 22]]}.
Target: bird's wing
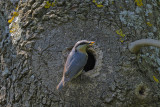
{"points": [[76, 63]]}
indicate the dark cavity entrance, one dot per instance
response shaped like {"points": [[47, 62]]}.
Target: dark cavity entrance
{"points": [[90, 62], [141, 91]]}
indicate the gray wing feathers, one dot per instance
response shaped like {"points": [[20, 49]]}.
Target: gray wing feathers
{"points": [[76, 64]]}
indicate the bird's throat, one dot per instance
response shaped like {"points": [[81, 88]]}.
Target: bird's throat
{"points": [[83, 50]]}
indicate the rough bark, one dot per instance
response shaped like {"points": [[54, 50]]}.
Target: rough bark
{"points": [[32, 57]]}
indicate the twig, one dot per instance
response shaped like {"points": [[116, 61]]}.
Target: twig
{"points": [[135, 46]]}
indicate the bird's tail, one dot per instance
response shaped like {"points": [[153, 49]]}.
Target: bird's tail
{"points": [[60, 85]]}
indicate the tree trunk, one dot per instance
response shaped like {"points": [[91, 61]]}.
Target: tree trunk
{"points": [[35, 44]]}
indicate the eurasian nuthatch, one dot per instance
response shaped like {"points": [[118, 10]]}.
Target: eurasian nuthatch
{"points": [[75, 63]]}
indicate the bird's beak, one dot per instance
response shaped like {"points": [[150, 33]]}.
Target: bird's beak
{"points": [[91, 43]]}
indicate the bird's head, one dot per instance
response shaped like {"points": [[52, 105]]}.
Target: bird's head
{"points": [[83, 44]]}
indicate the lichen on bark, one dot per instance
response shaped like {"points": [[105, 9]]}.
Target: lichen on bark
{"points": [[32, 60]]}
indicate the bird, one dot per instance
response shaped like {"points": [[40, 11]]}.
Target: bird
{"points": [[75, 62]]}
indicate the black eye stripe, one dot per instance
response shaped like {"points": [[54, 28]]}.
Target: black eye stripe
{"points": [[83, 43]]}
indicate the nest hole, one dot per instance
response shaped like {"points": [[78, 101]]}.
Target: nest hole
{"points": [[90, 62], [142, 90]]}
